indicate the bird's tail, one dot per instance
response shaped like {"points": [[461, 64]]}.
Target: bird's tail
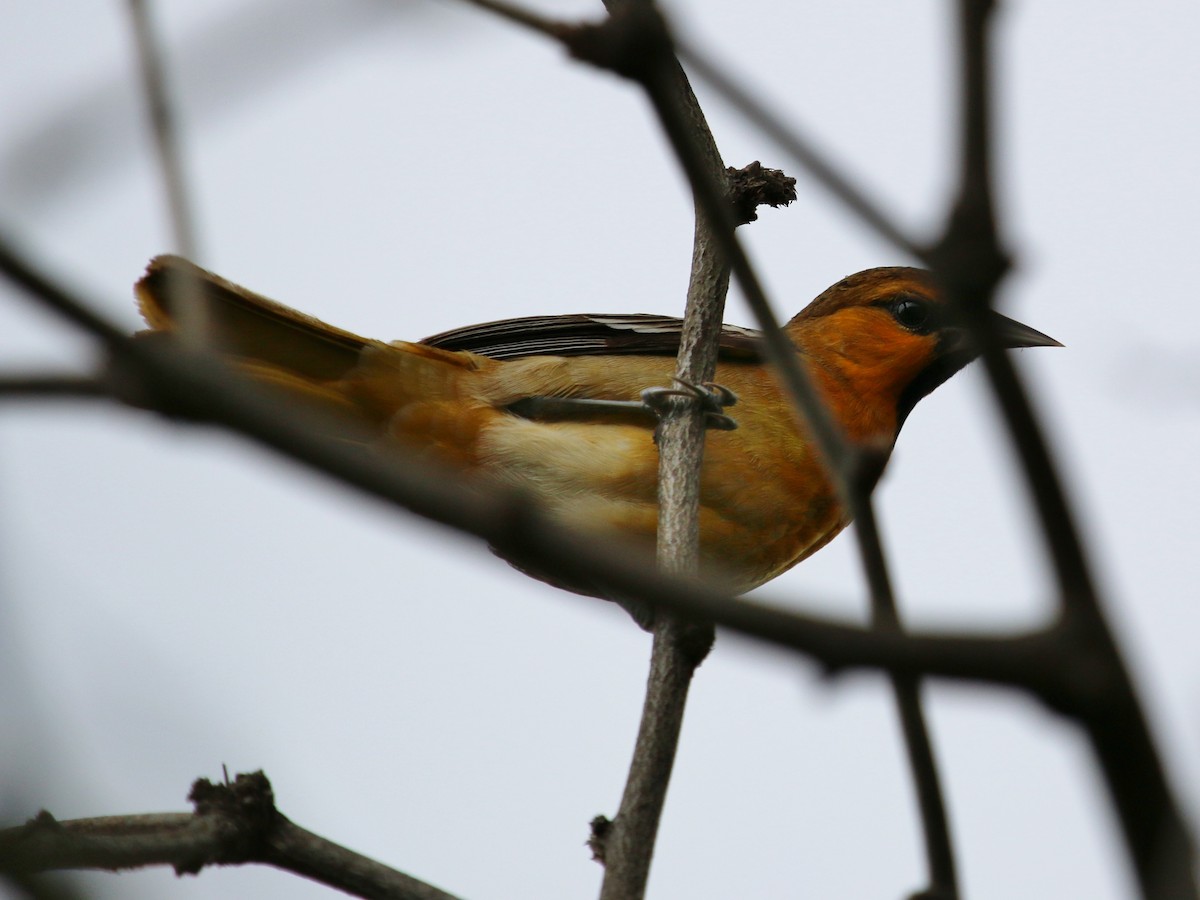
{"points": [[406, 390], [245, 325]]}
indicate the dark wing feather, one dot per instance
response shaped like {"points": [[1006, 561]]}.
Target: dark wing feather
{"points": [[589, 334]]}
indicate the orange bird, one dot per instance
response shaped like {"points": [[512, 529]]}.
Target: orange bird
{"points": [[516, 401]]}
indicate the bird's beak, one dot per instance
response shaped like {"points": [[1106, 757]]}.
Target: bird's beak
{"points": [[1013, 334]]}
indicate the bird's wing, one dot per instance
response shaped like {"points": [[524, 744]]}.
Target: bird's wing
{"points": [[587, 334], [251, 326]]}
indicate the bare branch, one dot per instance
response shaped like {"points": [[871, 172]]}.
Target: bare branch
{"points": [[57, 297], [679, 646], [232, 824], [626, 844]]}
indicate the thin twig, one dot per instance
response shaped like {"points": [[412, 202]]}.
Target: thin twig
{"points": [[193, 314], [163, 128]]}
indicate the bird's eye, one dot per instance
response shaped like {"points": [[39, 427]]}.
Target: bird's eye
{"points": [[913, 314]]}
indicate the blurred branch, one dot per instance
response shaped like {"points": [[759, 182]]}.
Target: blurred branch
{"points": [[161, 119], [196, 388], [193, 312], [939, 844], [232, 824], [58, 298], [970, 263], [43, 387]]}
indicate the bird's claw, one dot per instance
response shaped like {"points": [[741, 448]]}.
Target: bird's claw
{"points": [[713, 398]]}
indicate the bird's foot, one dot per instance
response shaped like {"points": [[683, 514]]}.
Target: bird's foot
{"points": [[714, 399]]}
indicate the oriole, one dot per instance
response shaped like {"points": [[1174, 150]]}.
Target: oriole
{"points": [[500, 399]]}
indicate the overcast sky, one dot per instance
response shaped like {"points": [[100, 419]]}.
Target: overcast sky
{"points": [[173, 599]]}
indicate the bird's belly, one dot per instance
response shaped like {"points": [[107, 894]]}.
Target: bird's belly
{"points": [[567, 464], [760, 513]]}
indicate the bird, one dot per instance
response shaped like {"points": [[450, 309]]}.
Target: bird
{"points": [[564, 406]]}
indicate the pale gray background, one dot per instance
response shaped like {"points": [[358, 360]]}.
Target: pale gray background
{"points": [[174, 599]]}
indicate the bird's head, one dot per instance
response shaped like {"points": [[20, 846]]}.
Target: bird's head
{"points": [[886, 338]]}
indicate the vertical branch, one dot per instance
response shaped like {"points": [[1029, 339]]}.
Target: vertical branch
{"points": [[626, 844], [678, 648]]}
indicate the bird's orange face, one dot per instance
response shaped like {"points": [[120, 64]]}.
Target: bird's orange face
{"points": [[882, 339]]}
